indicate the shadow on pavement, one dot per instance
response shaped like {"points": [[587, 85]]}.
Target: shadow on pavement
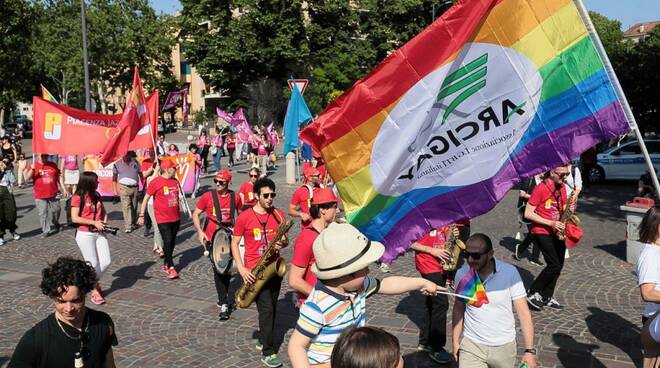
{"points": [[509, 243], [595, 204], [610, 328], [412, 306], [616, 249], [127, 276], [188, 256], [285, 318], [572, 353], [420, 359]]}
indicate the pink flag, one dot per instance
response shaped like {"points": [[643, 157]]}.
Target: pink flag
{"points": [[243, 129], [239, 117], [224, 115], [270, 127]]}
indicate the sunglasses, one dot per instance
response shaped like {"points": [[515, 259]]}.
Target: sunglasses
{"points": [[253, 176], [220, 182], [269, 195], [474, 255]]}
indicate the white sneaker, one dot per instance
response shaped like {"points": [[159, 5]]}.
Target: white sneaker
{"points": [[2, 242], [16, 236]]}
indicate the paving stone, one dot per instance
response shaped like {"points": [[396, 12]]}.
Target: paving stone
{"points": [[165, 323]]}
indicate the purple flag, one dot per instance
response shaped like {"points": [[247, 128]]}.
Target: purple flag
{"points": [[239, 117], [270, 127], [173, 99], [224, 115]]}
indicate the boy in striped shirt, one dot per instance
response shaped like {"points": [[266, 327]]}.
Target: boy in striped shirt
{"points": [[342, 257]]}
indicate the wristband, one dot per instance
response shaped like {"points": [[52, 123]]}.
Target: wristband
{"points": [[531, 351], [141, 215]]}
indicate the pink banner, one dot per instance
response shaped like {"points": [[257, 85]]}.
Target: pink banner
{"points": [[185, 172]]}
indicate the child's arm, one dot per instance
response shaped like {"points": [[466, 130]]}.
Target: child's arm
{"points": [[398, 285], [297, 350]]}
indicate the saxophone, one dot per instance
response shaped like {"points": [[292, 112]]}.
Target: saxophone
{"points": [[264, 270], [568, 215], [455, 246]]}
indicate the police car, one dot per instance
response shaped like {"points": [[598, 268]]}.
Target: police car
{"points": [[625, 162]]}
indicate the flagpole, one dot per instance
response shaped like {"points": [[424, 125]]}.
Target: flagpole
{"points": [[584, 14]]}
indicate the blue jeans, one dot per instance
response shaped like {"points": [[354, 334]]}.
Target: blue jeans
{"points": [[216, 158]]}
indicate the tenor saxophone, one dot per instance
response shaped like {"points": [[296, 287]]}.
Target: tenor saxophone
{"points": [[568, 215], [455, 246], [264, 269]]}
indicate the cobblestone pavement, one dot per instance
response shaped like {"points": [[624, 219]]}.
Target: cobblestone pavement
{"points": [[163, 323]]}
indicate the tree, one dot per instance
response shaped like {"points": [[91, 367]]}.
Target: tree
{"points": [[121, 33], [16, 26]]}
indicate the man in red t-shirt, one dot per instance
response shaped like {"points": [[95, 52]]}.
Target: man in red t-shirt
{"points": [[544, 208], [258, 226], [429, 251], [301, 200], [206, 205], [323, 212], [246, 191], [46, 180], [165, 191]]}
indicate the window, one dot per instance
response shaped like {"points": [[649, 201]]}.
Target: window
{"points": [[631, 149], [653, 148]]}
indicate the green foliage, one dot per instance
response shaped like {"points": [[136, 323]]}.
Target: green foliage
{"points": [[199, 118], [120, 34], [16, 32], [635, 66]]}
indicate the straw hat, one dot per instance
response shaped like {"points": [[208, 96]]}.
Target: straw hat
{"points": [[341, 249]]}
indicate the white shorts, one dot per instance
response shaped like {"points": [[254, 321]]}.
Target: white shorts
{"points": [[71, 177]]}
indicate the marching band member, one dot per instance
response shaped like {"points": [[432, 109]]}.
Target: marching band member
{"points": [[258, 226], [246, 191], [429, 250], [544, 208], [302, 198], [220, 214]]}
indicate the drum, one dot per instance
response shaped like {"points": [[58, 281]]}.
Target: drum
{"points": [[220, 252]]}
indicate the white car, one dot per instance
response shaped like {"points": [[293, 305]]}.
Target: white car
{"points": [[625, 162]]}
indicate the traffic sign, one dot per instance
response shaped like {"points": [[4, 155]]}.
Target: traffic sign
{"points": [[300, 83]]}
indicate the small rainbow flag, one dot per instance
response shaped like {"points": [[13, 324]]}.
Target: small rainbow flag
{"points": [[472, 289], [491, 92], [46, 95]]}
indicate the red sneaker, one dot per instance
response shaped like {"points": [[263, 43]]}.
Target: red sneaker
{"points": [[172, 274], [166, 270]]}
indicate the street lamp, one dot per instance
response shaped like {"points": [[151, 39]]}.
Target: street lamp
{"points": [[443, 3], [88, 101]]}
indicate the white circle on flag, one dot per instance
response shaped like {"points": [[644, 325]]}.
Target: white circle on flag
{"points": [[458, 125]]}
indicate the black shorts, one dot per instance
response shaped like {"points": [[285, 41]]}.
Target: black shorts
{"points": [[254, 151]]}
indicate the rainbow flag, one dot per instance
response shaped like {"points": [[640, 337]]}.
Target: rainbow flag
{"points": [[46, 95], [491, 92], [471, 287]]}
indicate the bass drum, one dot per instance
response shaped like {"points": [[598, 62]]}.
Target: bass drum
{"points": [[220, 253]]}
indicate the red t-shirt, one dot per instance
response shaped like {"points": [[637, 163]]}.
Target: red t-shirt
{"points": [[231, 142], [549, 201], [87, 211], [45, 178], [303, 257], [166, 199], [301, 198], [426, 263], [249, 197], [250, 225], [224, 200]]}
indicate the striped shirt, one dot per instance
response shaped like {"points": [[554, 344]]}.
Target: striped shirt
{"points": [[326, 314]]}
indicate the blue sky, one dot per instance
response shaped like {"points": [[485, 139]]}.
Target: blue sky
{"points": [[628, 12]]}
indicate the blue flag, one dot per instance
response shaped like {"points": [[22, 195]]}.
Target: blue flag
{"points": [[296, 114]]}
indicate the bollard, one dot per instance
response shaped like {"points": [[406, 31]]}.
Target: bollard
{"points": [[290, 168]]}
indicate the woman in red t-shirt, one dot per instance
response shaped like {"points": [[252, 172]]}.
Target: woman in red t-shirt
{"points": [[88, 213], [165, 191], [544, 208]]}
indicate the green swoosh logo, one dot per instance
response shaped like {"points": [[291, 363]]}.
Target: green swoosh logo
{"points": [[467, 80]]}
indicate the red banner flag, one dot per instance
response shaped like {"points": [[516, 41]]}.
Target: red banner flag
{"points": [[63, 130], [133, 121]]}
